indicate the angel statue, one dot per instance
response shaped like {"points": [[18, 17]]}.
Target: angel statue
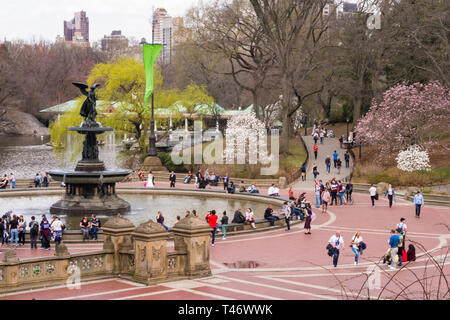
{"points": [[88, 108]]}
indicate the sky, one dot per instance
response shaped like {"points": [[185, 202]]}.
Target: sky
{"points": [[43, 19]]}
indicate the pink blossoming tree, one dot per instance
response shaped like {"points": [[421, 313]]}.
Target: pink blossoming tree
{"points": [[408, 115]]}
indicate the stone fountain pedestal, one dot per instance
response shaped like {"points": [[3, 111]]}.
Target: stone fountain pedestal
{"points": [[90, 187]]}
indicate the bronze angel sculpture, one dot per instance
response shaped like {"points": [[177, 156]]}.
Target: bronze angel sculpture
{"points": [[88, 110]]}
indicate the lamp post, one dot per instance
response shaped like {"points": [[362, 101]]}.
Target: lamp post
{"points": [[348, 121], [306, 121]]}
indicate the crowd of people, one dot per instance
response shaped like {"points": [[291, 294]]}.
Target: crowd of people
{"points": [[13, 230], [328, 194]]}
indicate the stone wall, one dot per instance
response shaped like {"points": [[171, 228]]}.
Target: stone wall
{"points": [[138, 254]]}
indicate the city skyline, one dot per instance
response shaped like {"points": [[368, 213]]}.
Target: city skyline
{"points": [[23, 20]]}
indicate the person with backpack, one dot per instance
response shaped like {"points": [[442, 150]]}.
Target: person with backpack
{"points": [[356, 241], [45, 232], [315, 171], [335, 243], [402, 228], [95, 225], [34, 232]]}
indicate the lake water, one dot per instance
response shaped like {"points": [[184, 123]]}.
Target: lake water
{"points": [[143, 207], [26, 156]]}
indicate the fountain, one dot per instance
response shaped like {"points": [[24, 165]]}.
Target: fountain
{"points": [[90, 187]]}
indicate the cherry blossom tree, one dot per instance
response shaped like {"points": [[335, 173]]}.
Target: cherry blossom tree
{"points": [[245, 130], [408, 115]]}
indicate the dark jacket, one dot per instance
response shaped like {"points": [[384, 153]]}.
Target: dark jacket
{"points": [[173, 177], [238, 217]]}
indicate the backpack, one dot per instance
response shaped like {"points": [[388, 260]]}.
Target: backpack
{"points": [[34, 228]]}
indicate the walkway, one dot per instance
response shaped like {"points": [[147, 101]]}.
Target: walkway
{"points": [[327, 148], [292, 265]]}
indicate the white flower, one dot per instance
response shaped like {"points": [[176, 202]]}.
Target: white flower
{"points": [[413, 159]]}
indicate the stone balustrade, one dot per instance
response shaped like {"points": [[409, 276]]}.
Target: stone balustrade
{"points": [[140, 254]]}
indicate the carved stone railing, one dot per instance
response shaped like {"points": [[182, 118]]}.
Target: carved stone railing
{"points": [[139, 254]]}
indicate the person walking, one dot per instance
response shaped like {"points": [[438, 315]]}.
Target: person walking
{"points": [[402, 228], [335, 157], [22, 229], [322, 135], [325, 200], [316, 149], [308, 219], [211, 218], [173, 179], [339, 165], [45, 232], [393, 243], [418, 201], [348, 191], [14, 230], [224, 225], [328, 163], [390, 193], [315, 171], [303, 170], [373, 194], [337, 242], [85, 225], [34, 232], [347, 159], [356, 241]]}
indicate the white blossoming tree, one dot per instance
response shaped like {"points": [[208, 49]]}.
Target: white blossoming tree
{"points": [[412, 159], [245, 137]]}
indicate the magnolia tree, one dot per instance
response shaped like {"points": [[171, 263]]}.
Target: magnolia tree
{"points": [[272, 113], [412, 159], [407, 115], [246, 138]]}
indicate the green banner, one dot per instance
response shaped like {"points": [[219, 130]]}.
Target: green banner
{"points": [[151, 52]]}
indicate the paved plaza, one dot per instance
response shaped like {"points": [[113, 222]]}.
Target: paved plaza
{"points": [[280, 264]]}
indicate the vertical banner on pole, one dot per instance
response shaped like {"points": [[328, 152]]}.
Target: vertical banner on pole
{"points": [[150, 52]]}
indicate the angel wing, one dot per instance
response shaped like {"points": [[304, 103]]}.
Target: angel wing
{"points": [[82, 87]]}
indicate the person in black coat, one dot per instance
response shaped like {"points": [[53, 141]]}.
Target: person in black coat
{"points": [[173, 179], [238, 217]]}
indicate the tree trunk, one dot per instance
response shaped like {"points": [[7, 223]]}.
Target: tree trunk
{"points": [[256, 105], [286, 103], [356, 109]]}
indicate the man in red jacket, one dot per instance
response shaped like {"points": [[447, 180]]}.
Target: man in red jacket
{"points": [[315, 148], [211, 218]]}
